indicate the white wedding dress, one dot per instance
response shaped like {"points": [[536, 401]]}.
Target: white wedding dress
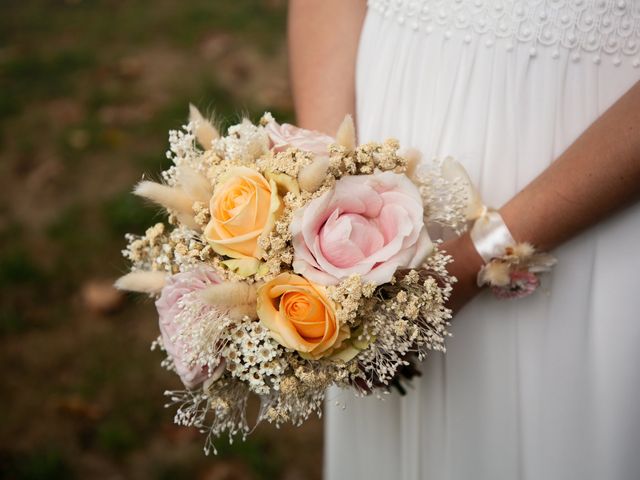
{"points": [[543, 388]]}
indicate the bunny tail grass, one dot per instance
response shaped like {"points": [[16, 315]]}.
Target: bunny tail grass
{"points": [[142, 282], [239, 312], [189, 221], [313, 175], [194, 184], [346, 134], [205, 132], [413, 158], [168, 197], [230, 293]]}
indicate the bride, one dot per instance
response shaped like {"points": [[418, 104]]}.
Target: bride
{"points": [[540, 100]]}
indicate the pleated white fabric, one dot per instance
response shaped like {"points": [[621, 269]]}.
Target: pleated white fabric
{"points": [[546, 387]]}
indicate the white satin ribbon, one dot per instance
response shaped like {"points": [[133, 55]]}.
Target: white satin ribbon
{"points": [[490, 235]]}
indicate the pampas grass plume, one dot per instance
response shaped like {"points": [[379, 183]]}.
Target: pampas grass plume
{"points": [[194, 184], [497, 274], [346, 134], [311, 177], [188, 220], [169, 197], [239, 312], [523, 250], [205, 132], [143, 282], [230, 293], [413, 158]]}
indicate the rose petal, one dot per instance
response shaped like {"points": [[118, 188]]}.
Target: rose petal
{"points": [[286, 136], [424, 247], [168, 306], [337, 245], [368, 225]]}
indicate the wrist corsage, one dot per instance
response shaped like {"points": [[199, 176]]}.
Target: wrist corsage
{"points": [[511, 269], [515, 274]]}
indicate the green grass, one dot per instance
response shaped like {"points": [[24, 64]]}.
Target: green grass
{"points": [[64, 229], [142, 21], [17, 267], [167, 470], [13, 233], [40, 464], [124, 213], [11, 321], [117, 437], [256, 454], [255, 20], [211, 98], [70, 232], [34, 69], [151, 163], [61, 78], [32, 76]]}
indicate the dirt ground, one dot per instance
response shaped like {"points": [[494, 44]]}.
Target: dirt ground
{"points": [[88, 91]]}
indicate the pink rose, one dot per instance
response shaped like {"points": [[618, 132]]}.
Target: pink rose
{"points": [[171, 327], [289, 136], [369, 225]]}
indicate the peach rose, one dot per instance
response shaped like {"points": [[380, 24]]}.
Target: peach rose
{"points": [[300, 316], [243, 206]]}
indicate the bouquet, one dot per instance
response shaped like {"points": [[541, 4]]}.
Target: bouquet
{"points": [[291, 262]]}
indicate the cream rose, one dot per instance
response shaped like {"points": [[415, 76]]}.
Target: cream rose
{"points": [[244, 205], [300, 316]]}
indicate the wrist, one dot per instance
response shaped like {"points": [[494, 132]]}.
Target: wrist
{"points": [[520, 226], [465, 267], [509, 268], [466, 262], [467, 254]]}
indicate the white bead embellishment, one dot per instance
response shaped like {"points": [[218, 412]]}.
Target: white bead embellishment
{"points": [[590, 27]]}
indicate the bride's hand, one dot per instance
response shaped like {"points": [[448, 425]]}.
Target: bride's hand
{"points": [[465, 267]]}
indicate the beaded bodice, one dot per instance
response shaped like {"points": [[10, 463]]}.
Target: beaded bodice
{"points": [[588, 29]]}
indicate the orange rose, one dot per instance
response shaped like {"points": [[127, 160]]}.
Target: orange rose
{"points": [[300, 316], [244, 205]]}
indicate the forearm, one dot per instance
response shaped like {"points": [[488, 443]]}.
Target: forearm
{"points": [[598, 174], [323, 43]]}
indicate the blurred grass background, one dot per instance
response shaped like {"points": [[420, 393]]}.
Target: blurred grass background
{"points": [[88, 91]]}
